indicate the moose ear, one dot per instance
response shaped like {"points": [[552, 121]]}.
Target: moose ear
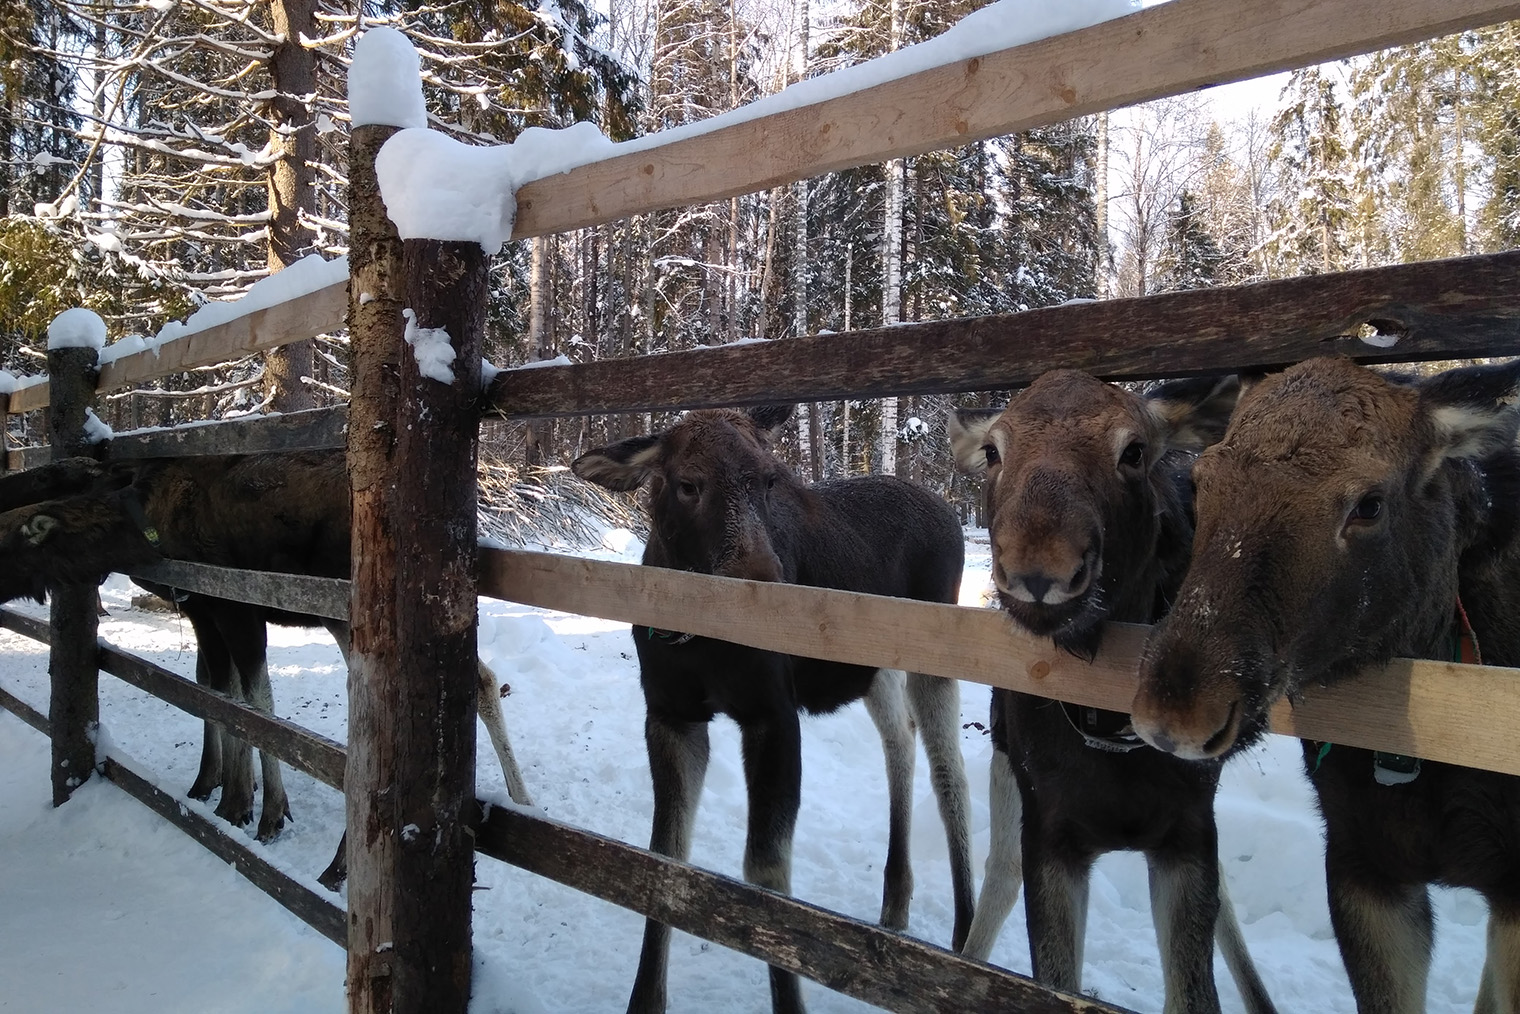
{"points": [[770, 417], [967, 428], [1195, 411], [621, 466], [1475, 410]]}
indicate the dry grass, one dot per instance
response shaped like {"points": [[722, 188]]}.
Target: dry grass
{"points": [[549, 506]]}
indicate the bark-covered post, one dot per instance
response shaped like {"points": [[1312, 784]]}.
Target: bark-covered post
{"points": [[74, 341], [410, 779]]}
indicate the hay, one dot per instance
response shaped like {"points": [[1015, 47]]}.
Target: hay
{"points": [[550, 507]]}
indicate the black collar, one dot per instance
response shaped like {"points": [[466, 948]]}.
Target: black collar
{"points": [[1109, 731]]}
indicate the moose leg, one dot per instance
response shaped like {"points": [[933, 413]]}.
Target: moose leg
{"points": [[888, 708], [1055, 907], [936, 703], [212, 670], [243, 629], [677, 765], [1005, 861], [1232, 944], [1185, 909], [1385, 935], [489, 708], [1500, 989], [773, 776]]}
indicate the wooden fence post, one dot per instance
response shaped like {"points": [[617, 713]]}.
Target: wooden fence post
{"points": [[73, 668], [410, 779]]}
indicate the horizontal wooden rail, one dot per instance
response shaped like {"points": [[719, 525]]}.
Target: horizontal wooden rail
{"points": [[24, 711], [1437, 710], [316, 755], [1164, 50], [293, 593], [310, 906], [18, 459], [258, 331], [313, 430], [26, 626], [301, 748], [1450, 309], [879, 966]]}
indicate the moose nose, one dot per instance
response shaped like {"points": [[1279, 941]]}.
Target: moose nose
{"points": [[1042, 588]]}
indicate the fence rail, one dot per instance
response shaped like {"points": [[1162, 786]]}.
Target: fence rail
{"points": [[1165, 50], [1459, 308]]}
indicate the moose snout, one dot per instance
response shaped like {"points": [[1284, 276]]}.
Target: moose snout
{"points": [[1051, 581], [1179, 710]]}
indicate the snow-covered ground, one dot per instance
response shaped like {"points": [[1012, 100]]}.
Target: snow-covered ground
{"points": [[106, 908]]}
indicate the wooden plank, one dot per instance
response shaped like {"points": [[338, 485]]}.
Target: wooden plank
{"points": [[19, 459], [303, 749], [1437, 710], [26, 626], [310, 906], [1458, 308], [295, 593], [24, 711], [259, 331], [313, 430], [1164, 50], [882, 967]]}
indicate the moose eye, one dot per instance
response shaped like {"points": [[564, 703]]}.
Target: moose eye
{"points": [[1134, 455], [770, 482], [992, 455], [687, 488], [1368, 508]]}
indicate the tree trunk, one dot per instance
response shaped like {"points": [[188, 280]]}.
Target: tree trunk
{"points": [[293, 135], [1105, 265], [538, 441], [891, 267]]}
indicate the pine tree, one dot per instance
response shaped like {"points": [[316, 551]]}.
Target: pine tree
{"points": [[1190, 258]]}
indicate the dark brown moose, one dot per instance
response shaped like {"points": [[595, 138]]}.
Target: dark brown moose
{"points": [[1088, 518], [720, 502], [1347, 518], [274, 512]]}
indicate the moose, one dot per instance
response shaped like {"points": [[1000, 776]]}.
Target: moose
{"points": [[721, 502], [286, 512], [1346, 518], [1089, 520]]}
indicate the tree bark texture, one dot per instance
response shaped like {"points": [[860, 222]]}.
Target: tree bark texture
{"points": [[411, 774], [73, 674], [292, 133]]}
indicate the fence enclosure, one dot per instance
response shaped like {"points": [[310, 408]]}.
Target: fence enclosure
{"points": [[413, 634]]}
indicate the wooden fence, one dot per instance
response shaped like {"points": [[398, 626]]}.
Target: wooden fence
{"points": [[1450, 309]]}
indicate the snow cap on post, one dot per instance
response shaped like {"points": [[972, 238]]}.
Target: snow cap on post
{"points": [[438, 188], [385, 81], [77, 329]]}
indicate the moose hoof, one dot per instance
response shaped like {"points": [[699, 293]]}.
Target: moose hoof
{"points": [[269, 828], [337, 871], [202, 790], [235, 812]]}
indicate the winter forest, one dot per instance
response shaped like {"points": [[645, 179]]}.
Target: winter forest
{"points": [[161, 153]]}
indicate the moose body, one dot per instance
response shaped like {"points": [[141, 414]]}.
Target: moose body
{"points": [[1345, 519], [721, 503], [1088, 519], [286, 512]]}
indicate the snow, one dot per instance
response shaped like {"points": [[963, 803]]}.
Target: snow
{"points": [[438, 188], [161, 925], [96, 430], [78, 328], [385, 82], [537, 364], [8, 382], [305, 276], [431, 348]]}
